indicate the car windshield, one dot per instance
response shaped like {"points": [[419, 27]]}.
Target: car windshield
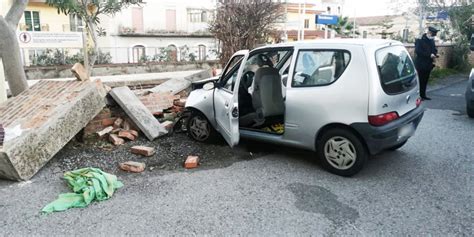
{"points": [[396, 70]]}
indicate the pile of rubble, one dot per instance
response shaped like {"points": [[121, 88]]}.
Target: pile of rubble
{"points": [[42, 120]]}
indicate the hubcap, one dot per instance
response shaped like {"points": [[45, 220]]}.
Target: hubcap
{"points": [[199, 128], [340, 153]]}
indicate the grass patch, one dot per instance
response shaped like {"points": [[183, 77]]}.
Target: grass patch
{"points": [[438, 73]]}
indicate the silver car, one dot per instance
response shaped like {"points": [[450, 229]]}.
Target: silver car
{"points": [[343, 99]]}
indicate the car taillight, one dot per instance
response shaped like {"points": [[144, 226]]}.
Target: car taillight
{"points": [[382, 119], [418, 101]]}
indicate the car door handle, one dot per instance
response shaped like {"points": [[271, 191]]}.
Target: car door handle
{"points": [[226, 104]]}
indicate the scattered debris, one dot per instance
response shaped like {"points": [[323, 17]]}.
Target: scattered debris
{"points": [[87, 184], [168, 125], [126, 134], [140, 115], [126, 126], [79, 72], [143, 150], [132, 166], [118, 123], [191, 162], [116, 140], [105, 131], [180, 102]]}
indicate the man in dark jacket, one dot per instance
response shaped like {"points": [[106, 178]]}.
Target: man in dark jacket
{"points": [[426, 52]]}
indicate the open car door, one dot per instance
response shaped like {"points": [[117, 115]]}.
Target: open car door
{"points": [[226, 107]]}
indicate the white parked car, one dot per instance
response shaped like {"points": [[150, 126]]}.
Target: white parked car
{"points": [[343, 99]]}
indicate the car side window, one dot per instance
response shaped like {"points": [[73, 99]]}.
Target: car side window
{"points": [[230, 80], [319, 67]]}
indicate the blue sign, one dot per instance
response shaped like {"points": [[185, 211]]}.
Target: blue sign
{"points": [[326, 19], [442, 15]]}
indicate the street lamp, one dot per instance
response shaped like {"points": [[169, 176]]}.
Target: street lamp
{"points": [[84, 47]]}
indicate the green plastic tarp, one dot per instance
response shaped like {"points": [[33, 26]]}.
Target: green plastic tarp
{"points": [[87, 184]]}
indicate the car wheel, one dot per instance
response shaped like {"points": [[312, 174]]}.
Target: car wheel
{"points": [[393, 148], [341, 152], [470, 112], [199, 128]]}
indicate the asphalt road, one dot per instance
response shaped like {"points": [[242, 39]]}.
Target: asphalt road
{"points": [[425, 188]]}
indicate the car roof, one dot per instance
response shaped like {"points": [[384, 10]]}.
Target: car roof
{"points": [[366, 43]]}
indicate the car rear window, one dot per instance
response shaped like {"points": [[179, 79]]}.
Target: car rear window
{"points": [[396, 69]]}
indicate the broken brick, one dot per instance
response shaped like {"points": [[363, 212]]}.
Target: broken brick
{"points": [[168, 125], [132, 166], [108, 121], [143, 150], [126, 134], [133, 132], [105, 131], [191, 162], [80, 72], [118, 123], [116, 140], [180, 102], [126, 125]]}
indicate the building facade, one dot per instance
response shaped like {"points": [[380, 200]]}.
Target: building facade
{"points": [[161, 30]]}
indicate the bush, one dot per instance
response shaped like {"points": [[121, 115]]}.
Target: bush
{"points": [[56, 57]]}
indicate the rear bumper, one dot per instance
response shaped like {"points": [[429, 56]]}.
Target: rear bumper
{"points": [[392, 134]]}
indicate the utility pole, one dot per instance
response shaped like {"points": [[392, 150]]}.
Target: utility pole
{"points": [[421, 16], [299, 18], [304, 20]]}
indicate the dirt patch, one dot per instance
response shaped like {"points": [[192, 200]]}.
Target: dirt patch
{"points": [[171, 152]]}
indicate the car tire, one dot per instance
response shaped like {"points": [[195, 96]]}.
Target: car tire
{"points": [[396, 147], [341, 152], [199, 128], [470, 112]]}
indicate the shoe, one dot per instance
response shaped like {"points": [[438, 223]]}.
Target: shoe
{"points": [[425, 98]]}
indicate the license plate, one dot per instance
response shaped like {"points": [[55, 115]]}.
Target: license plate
{"points": [[407, 130]]}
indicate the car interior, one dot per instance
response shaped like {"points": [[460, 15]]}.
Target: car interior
{"points": [[261, 92]]}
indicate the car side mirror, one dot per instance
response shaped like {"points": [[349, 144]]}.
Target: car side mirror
{"points": [[209, 86]]}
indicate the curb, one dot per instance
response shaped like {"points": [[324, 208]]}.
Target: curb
{"points": [[458, 79]]}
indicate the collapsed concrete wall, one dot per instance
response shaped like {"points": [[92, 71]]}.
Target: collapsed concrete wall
{"points": [[41, 120]]}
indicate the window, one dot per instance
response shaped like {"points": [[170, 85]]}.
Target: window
{"points": [[171, 20], [202, 52], [32, 21], [230, 73], [396, 70], [75, 23], [137, 19], [306, 23], [319, 67], [197, 16]]}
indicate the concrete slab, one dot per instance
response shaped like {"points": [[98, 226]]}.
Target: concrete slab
{"points": [[137, 111], [41, 120], [173, 86]]}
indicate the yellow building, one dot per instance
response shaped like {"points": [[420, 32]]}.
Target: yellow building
{"points": [[300, 22]]}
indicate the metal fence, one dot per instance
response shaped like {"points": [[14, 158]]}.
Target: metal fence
{"points": [[116, 55]]}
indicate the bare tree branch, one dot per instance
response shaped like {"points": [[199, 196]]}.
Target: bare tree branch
{"points": [[16, 11]]}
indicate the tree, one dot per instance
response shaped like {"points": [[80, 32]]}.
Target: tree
{"points": [[244, 24], [90, 11], [460, 19], [10, 49], [343, 27]]}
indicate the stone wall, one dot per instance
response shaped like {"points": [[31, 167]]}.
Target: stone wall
{"points": [[64, 71]]}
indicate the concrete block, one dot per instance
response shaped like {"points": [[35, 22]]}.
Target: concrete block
{"points": [[174, 86], [139, 114], [41, 121], [143, 150]]}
